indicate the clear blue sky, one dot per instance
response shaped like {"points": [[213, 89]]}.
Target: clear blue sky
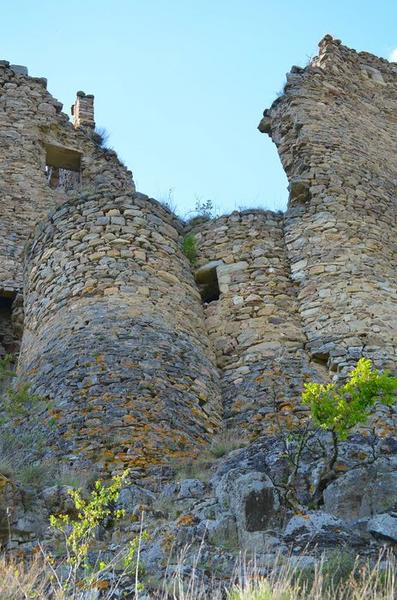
{"points": [[181, 85]]}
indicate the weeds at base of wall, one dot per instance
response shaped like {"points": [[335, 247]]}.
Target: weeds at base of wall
{"points": [[225, 442], [41, 473], [336, 577], [200, 467]]}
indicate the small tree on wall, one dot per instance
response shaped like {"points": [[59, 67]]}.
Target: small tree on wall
{"points": [[337, 409]]}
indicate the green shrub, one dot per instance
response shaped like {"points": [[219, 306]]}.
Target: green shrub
{"points": [[337, 409], [340, 408], [79, 535], [189, 247]]}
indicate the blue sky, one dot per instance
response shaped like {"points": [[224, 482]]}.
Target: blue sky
{"points": [[180, 85]]}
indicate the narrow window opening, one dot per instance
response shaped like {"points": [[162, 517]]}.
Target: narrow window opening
{"points": [[10, 332], [63, 168], [321, 358], [207, 281]]}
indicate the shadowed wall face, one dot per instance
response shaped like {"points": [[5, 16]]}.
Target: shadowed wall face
{"points": [[114, 334], [254, 325], [336, 131]]}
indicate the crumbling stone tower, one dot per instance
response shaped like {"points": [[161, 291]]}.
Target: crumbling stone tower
{"points": [[335, 130], [113, 330], [254, 325], [43, 159], [141, 352]]}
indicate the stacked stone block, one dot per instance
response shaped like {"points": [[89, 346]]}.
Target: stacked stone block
{"points": [[83, 111], [255, 325], [336, 131], [30, 120], [114, 334]]}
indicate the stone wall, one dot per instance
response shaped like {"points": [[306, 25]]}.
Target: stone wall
{"points": [[30, 121], [114, 334], [255, 325], [335, 128]]}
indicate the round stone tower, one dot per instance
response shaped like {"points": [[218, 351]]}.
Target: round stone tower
{"points": [[114, 334], [335, 130]]}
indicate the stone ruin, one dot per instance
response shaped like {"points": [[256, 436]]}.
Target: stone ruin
{"points": [[146, 356]]}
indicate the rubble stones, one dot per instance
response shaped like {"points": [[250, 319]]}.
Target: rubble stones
{"points": [[384, 526], [363, 491], [319, 528]]}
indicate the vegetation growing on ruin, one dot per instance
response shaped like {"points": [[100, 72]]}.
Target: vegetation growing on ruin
{"points": [[79, 570], [335, 410], [17, 401], [101, 137], [338, 409], [204, 208], [20, 405], [189, 247]]}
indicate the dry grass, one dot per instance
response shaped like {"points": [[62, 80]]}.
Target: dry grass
{"points": [[19, 581], [200, 467], [364, 582], [330, 580], [225, 442]]}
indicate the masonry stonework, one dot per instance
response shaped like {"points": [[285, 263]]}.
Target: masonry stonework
{"points": [[33, 128], [255, 326], [138, 366], [107, 280], [335, 128]]}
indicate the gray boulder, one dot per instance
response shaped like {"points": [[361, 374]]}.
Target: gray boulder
{"points": [[191, 488], [131, 496], [363, 492], [221, 532], [319, 528], [384, 526], [250, 497]]}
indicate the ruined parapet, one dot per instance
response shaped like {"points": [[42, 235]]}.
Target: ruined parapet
{"points": [[253, 322], [83, 111], [335, 130], [114, 334], [43, 160]]}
